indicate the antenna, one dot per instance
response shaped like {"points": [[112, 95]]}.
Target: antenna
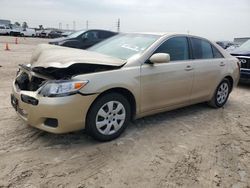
{"points": [[87, 25], [74, 25], [118, 25]]}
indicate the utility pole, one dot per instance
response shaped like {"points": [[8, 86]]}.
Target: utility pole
{"points": [[74, 25], [118, 25], [87, 25], [60, 25], [67, 26]]}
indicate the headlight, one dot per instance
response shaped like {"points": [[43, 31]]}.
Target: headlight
{"points": [[61, 88]]}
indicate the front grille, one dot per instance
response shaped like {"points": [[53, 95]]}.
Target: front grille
{"points": [[244, 62], [23, 82]]}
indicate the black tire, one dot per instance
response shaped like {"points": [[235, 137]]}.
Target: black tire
{"points": [[91, 127], [215, 102]]}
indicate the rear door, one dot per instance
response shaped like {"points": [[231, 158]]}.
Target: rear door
{"points": [[209, 65], [170, 83]]}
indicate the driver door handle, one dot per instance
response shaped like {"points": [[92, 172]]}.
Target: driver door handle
{"points": [[189, 68]]}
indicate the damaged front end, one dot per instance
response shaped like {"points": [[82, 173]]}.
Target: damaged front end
{"points": [[31, 79], [45, 92], [51, 63]]}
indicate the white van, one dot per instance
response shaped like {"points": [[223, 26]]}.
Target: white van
{"points": [[28, 32], [4, 30]]}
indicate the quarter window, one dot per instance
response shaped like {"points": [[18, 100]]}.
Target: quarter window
{"points": [[176, 47], [217, 53]]}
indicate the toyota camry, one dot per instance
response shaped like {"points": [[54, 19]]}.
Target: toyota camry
{"points": [[126, 77]]}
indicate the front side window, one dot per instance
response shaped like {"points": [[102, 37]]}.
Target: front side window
{"points": [[176, 47], [202, 49], [91, 35]]}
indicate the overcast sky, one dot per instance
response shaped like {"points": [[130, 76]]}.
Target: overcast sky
{"points": [[214, 19]]}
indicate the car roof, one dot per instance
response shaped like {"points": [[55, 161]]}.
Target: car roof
{"points": [[165, 34]]}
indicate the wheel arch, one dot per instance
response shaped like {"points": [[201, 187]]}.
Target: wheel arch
{"points": [[230, 79], [126, 93]]}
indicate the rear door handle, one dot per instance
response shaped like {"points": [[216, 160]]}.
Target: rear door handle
{"points": [[189, 68], [222, 64]]}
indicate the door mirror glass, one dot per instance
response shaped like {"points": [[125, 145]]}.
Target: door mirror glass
{"points": [[160, 58]]}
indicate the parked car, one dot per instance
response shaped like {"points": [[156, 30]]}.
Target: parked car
{"points": [[125, 77], [45, 33], [15, 31], [28, 32], [55, 34], [38, 32], [4, 30], [67, 33], [243, 54], [83, 39], [225, 44]]}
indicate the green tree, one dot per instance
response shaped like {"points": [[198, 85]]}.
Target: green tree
{"points": [[41, 27], [24, 25], [17, 24]]}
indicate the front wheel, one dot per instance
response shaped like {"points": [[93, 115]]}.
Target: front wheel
{"points": [[221, 94], [108, 117]]}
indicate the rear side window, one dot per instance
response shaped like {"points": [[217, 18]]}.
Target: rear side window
{"points": [[202, 49], [176, 47], [217, 53]]}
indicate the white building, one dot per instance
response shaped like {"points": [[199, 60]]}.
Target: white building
{"points": [[5, 22]]}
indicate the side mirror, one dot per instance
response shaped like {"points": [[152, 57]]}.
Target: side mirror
{"points": [[160, 58]]}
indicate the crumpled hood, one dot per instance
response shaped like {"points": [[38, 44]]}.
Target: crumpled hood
{"points": [[46, 55]]}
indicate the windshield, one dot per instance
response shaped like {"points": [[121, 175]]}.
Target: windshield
{"points": [[245, 46], [76, 34], [124, 46]]}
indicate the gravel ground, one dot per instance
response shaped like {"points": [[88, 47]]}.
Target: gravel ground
{"points": [[196, 146]]}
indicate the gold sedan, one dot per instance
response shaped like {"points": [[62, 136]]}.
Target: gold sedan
{"points": [[126, 77]]}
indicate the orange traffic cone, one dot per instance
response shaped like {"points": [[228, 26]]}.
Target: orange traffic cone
{"points": [[16, 41], [7, 47]]}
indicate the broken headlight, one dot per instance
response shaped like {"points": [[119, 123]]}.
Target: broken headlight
{"points": [[61, 88]]}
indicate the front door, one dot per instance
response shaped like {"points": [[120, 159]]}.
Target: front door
{"points": [[169, 83]]}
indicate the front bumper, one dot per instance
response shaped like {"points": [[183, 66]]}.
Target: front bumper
{"points": [[69, 111]]}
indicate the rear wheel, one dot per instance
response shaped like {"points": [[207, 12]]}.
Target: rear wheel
{"points": [[108, 117], [221, 94]]}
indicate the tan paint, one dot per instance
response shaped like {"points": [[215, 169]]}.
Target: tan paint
{"points": [[156, 88]]}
